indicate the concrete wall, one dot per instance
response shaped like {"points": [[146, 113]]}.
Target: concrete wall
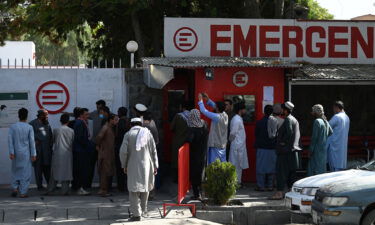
{"points": [[138, 92], [85, 86]]}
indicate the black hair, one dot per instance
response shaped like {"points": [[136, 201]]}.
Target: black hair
{"points": [[64, 118], [101, 102], [239, 106], [106, 110], [268, 110], [339, 104], [22, 113], [228, 100], [220, 106], [82, 111], [147, 116], [76, 112], [41, 112], [2, 107], [122, 111], [286, 108], [188, 105], [111, 117]]}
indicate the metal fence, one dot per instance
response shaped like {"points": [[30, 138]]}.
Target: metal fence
{"points": [[93, 64]]}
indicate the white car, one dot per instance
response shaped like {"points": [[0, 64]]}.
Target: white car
{"points": [[300, 198]]}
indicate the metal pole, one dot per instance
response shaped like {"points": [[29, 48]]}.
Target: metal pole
{"points": [[8, 63], [113, 63], [1, 63], [132, 60], [22, 63], [15, 63], [29, 63], [120, 63], [106, 63], [92, 63], [98, 63]]}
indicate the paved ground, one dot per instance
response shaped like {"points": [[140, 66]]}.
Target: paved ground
{"points": [[96, 210]]}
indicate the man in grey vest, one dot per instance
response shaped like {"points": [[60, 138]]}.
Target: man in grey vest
{"points": [[218, 136]]}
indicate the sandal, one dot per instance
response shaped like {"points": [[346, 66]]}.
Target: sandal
{"points": [[277, 196]]}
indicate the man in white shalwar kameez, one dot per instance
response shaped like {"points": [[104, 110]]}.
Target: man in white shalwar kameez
{"points": [[140, 162], [22, 152], [62, 157], [237, 136]]}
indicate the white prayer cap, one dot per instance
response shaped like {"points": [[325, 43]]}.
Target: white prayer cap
{"points": [[289, 105], [135, 120], [140, 107]]}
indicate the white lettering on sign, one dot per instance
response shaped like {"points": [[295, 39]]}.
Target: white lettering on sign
{"points": [[240, 79], [321, 42]]}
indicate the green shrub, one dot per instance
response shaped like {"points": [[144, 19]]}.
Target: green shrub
{"points": [[221, 182]]}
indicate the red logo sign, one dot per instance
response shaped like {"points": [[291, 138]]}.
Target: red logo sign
{"points": [[240, 79], [185, 39], [52, 96]]}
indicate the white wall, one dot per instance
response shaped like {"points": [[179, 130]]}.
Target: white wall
{"points": [[85, 86]]}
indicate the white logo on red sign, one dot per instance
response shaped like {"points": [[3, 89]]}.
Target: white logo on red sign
{"points": [[52, 96], [240, 79], [185, 39]]}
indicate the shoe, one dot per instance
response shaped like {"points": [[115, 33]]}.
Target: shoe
{"points": [[134, 218], [145, 214], [24, 196], [82, 191], [14, 194]]}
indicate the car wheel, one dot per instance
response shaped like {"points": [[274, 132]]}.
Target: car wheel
{"points": [[369, 219]]}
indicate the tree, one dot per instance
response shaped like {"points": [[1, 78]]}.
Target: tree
{"points": [[103, 27]]}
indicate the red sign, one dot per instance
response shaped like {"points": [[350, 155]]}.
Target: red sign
{"points": [[240, 79], [52, 96], [185, 39]]}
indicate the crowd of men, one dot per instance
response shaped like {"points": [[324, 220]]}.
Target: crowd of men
{"points": [[277, 141], [69, 154], [127, 148]]}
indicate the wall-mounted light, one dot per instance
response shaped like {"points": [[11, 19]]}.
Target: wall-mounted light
{"points": [[209, 73]]}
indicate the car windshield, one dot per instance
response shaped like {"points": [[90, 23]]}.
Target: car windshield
{"points": [[368, 166]]}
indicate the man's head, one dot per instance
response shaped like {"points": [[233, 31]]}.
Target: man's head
{"points": [[42, 115], [268, 110], [220, 107], [277, 110], [64, 119], [76, 112], [122, 111], [187, 105], [22, 114], [100, 104], [338, 106], [2, 107], [136, 122], [83, 114], [228, 105], [105, 112], [240, 108], [112, 119], [317, 111], [287, 108]]}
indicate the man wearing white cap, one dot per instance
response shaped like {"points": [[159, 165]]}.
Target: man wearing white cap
{"points": [[287, 143], [141, 112], [140, 162]]}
